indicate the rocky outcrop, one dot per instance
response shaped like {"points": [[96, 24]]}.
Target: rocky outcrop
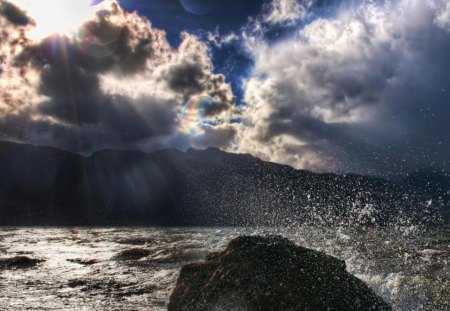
{"points": [[19, 262], [270, 273]]}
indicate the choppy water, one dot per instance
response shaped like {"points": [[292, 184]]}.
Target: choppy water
{"points": [[409, 268]]}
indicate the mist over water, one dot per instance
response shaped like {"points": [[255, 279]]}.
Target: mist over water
{"points": [[407, 266]]}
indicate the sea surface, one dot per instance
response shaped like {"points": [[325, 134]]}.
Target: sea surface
{"points": [[408, 267]]}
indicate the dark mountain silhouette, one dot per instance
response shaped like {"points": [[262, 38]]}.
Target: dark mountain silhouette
{"points": [[47, 186]]}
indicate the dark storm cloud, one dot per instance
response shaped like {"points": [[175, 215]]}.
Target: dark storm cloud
{"points": [[194, 76], [117, 84], [122, 48], [69, 80], [186, 78], [13, 14]]}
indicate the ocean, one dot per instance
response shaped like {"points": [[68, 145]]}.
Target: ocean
{"points": [[408, 266]]}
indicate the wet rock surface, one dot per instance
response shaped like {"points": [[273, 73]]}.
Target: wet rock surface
{"points": [[19, 262], [270, 273], [132, 254], [84, 262]]}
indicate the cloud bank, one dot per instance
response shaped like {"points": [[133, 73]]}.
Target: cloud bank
{"points": [[364, 91], [361, 88]]}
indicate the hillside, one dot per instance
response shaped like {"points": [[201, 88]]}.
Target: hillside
{"points": [[47, 186]]}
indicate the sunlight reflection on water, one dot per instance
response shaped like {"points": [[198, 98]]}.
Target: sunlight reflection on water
{"points": [[408, 269]]}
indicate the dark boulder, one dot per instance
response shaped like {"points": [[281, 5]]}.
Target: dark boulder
{"points": [[132, 254], [19, 262], [270, 273]]}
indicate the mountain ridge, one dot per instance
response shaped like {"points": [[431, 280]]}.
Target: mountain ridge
{"points": [[169, 187]]}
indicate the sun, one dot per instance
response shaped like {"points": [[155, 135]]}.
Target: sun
{"points": [[56, 16]]}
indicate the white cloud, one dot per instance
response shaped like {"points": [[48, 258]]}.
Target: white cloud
{"points": [[443, 17], [286, 11], [221, 40], [344, 92]]}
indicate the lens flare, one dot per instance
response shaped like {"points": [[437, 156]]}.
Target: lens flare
{"points": [[99, 39], [198, 7], [56, 16], [193, 114]]}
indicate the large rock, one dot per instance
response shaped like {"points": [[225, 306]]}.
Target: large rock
{"points": [[270, 273]]}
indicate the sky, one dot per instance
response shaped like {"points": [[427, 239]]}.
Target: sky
{"points": [[329, 86]]}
